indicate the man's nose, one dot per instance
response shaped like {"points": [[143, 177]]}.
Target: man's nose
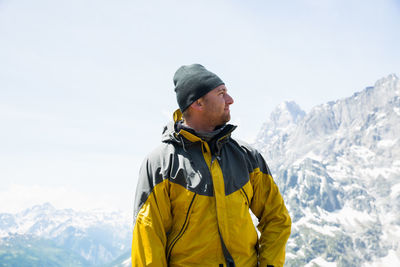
{"points": [[229, 99]]}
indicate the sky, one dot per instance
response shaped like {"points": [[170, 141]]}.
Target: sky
{"points": [[86, 86]]}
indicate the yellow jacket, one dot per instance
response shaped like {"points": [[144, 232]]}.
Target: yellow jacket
{"points": [[192, 205]]}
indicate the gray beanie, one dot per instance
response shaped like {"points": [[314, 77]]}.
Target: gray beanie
{"points": [[192, 82]]}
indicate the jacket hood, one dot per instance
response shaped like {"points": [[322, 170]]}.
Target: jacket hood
{"points": [[169, 133]]}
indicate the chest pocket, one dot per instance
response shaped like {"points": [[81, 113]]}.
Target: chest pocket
{"points": [[236, 170], [247, 192]]}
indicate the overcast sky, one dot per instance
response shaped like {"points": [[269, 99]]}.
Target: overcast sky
{"points": [[86, 85]]}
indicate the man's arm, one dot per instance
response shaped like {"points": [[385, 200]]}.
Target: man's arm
{"points": [[274, 220], [152, 219]]}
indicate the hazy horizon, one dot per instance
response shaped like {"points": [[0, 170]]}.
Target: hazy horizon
{"points": [[86, 86]]}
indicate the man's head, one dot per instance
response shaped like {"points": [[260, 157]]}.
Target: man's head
{"points": [[202, 97], [192, 82]]}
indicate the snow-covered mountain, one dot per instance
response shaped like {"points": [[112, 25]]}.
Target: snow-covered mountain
{"points": [[338, 168], [83, 238]]}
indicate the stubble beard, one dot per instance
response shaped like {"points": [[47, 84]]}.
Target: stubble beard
{"points": [[224, 119], [216, 118]]}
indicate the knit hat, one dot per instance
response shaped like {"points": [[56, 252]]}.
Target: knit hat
{"points": [[192, 82]]}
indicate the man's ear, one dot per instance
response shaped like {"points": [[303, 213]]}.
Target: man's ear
{"points": [[197, 105]]}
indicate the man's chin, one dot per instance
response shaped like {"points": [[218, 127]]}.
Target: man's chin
{"points": [[227, 118]]}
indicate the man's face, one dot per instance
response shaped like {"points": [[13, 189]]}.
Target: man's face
{"points": [[216, 106]]}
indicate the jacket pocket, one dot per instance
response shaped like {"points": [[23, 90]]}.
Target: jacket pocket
{"points": [[246, 198], [182, 230]]}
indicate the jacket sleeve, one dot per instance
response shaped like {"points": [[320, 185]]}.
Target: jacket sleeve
{"points": [[152, 218], [274, 220]]}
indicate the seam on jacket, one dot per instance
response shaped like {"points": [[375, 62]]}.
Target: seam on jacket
{"points": [[227, 255]]}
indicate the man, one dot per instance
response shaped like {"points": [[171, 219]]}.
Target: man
{"points": [[195, 191]]}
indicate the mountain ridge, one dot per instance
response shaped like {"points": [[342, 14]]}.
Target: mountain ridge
{"points": [[341, 158], [337, 166], [95, 237]]}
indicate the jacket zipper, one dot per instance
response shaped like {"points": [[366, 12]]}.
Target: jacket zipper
{"points": [[182, 231], [247, 198]]}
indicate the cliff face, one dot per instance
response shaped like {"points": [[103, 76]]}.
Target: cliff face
{"points": [[338, 168]]}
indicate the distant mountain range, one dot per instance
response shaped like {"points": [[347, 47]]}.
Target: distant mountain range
{"points": [[338, 167], [45, 236]]}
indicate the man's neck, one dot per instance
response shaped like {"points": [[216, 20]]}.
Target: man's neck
{"points": [[198, 127], [206, 136]]}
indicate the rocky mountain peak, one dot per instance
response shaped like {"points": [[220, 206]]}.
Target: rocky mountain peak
{"points": [[338, 167], [96, 237], [286, 113]]}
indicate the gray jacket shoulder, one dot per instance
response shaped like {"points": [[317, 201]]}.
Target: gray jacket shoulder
{"points": [[151, 173], [255, 157]]}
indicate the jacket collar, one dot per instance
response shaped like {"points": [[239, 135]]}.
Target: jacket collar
{"points": [[172, 132]]}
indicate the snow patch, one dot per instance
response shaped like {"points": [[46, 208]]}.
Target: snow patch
{"points": [[127, 262], [320, 262], [350, 218], [395, 191], [392, 259], [387, 143]]}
